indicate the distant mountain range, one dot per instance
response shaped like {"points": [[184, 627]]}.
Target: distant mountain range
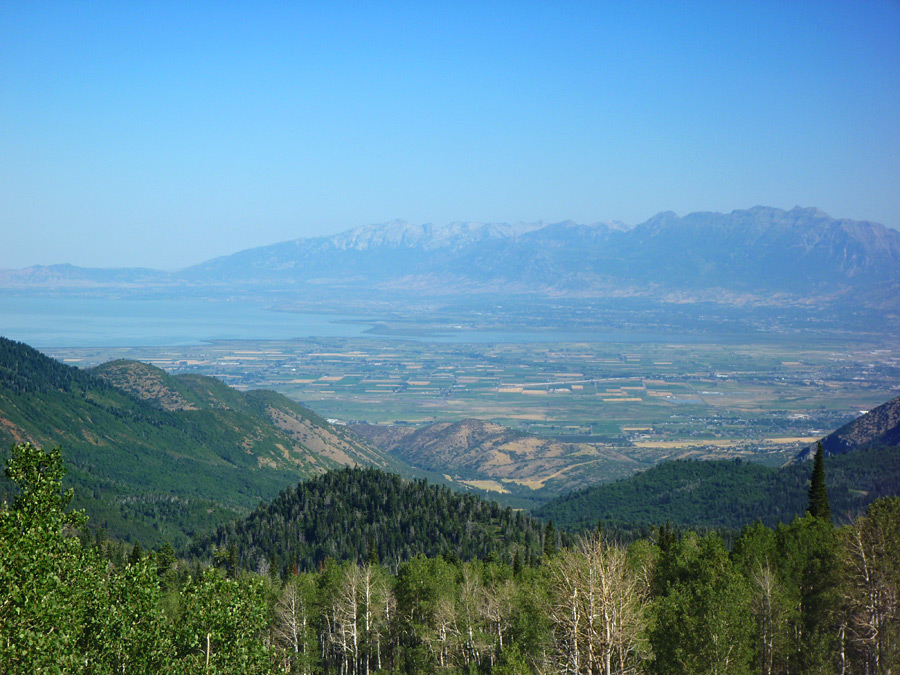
{"points": [[760, 255]]}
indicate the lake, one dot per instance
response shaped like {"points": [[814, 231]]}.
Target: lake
{"points": [[54, 321]]}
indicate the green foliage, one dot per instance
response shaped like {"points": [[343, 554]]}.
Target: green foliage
{"points": [[63, 610], [40, 580], [810, 572], [796, 599], [756, 555], [125, 628], [701, 612], [529, 619], [818, 493], [512, 662], [549, 547], [142, 472], [24, 370], [425, 587], [366, 514], [222, 625], [725, 494]]}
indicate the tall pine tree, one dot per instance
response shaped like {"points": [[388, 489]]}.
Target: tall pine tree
{"points": [[818, 494], [549, 540]]}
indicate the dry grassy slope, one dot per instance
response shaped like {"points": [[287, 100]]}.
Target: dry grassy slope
{"points": [[482, 450], [298, 435], [144, 381], [334, 442]]}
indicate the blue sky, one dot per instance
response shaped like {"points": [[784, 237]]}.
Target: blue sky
{"points": [[163, 134]]}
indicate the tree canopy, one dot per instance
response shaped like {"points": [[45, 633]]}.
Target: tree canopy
{"points": [[803, 597], [818, 493]]}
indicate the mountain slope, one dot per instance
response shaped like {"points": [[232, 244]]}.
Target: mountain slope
{"points": [[728, 494], [473, 450], [863, 465], [879, 426], [341, 514], [155, 457], [301, 434]]}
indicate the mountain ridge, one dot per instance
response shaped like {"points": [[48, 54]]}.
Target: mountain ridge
{"points": [[473, 451], [152, 455], [879, 426], [772, 255]]}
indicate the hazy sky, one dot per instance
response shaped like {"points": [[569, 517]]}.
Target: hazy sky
{"points": [[161, 134]]}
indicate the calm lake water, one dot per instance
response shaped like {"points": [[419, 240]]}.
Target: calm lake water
{"points": [[102, 322], [58, 322]]}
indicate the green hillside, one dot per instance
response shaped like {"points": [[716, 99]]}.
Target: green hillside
{"points": [[353, 514], [154, 457], [296, 428], [728, 494]]}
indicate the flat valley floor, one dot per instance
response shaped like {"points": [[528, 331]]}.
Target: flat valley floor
{"points": [[761, 400]]}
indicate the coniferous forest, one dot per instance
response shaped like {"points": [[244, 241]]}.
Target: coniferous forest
{"points": [[802, 597], [727, 494], [357, 514]]}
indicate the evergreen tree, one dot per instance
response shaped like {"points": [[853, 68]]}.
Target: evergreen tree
{"points": [[137, 554], [549, 539], [809, 571], [666, 537], [818, 494], [165, 558]]}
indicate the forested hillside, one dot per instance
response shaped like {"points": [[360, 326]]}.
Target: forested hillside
{"points": [[305, 429], [155, 458], [366, 514], [803, 597], [728, 494]]}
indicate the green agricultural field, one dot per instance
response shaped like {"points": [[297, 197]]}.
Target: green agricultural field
{"points": [[759, 397]]}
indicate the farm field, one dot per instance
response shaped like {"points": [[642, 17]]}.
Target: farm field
{"points": [[762, 399]]}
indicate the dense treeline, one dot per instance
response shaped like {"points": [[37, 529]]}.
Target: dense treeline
{"points": [[367, 514], [727, 494], [25, 370], [803, 597]]}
